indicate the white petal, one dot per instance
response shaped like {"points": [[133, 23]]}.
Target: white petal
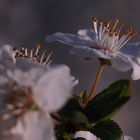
{"points": [[135, 66], [83, 50], [127, 138], [70, 39], [88, 33], [120, 65], [136, 71], [53, 89], [25, 78], [132, 49], [85, 134], [91, 52], [26, 65], [3, 79], [7, 54], [33, 126]]}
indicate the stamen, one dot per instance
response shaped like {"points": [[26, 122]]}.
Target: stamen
{"points": [[115, 25], [26, 52], [48, 58], [107, 38], [43, 55], [34, 56], [31, 53], [95, 24], [37, 48]]}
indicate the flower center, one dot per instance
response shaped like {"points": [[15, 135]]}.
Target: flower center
{"points": [[34, 54], [16, 102], [111, 38]]}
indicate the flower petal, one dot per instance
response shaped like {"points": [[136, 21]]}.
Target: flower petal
{"points": [[132, 49], [136, 71], [128, 138], [134, 65], [33, 126], [87, 33], [53, 89], [120, 65], [25, 78], [71, 39], [25, 64], [85, 134], [7, 54]]}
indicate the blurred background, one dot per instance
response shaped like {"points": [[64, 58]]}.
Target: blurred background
{"points": [[29, 21]]}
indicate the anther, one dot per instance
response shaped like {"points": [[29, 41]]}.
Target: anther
{"points": [[94, 19], [115, 25]]}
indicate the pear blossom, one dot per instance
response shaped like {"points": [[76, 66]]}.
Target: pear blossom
{"points": [[107, 42], [47, 87], [85, 134]]}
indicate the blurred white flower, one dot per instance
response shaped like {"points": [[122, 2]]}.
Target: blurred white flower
{"points": [[48, 87], [105, 42], [128, 138], [85, 134], [52, 90], [35, 55], [89, 136], [7, 54], [33, 126]]}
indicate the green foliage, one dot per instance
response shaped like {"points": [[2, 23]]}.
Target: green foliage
{"points": [[74, 113], [63, 136], [108, 102], [107, 130], [96, 116]]}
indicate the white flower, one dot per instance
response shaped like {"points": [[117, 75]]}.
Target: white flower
{"points": [[49, 87], [85, 134], [105, 42], [33, 126], [127, 138], [7, 54], [89, 136], [11, 55], [59, 83]]}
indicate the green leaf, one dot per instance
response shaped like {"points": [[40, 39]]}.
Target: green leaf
{"points": [[107, 130], [108, 102], [63, 136], [73, 112]]}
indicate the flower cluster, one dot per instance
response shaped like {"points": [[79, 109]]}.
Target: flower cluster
{"points": [[36, 96]]}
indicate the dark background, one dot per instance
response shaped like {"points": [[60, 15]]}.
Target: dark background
{"points": [[28, 21]]}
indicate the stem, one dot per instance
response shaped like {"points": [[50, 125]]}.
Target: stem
{"points": [[92, 91]]}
